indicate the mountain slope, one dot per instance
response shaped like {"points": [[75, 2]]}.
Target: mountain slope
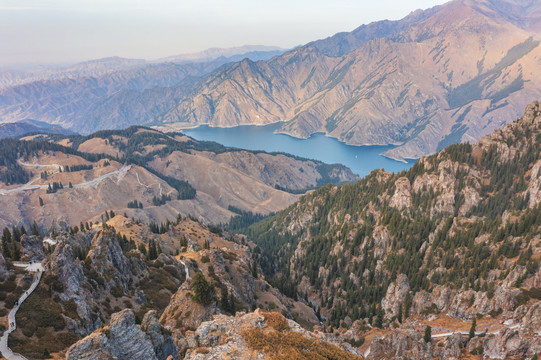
{"points": [[456, 236], [440, 76], [166, 174]]}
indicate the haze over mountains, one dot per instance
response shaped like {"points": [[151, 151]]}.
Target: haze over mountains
{"points": [[447, 74], [133, 243]]}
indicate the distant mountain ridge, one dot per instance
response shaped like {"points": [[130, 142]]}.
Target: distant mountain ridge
{"points": [[254, 52], [448, 74], [24, 127], [444, 75]]}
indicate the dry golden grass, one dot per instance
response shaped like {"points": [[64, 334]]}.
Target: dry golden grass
{"points": [[293, 346], [276, 321]]}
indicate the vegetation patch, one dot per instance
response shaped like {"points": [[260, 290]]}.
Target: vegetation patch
{"points": [[293, 346]]}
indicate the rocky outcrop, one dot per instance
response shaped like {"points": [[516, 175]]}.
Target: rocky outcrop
{"points": [[505, 344], [395, 296], [464, 304], [184, 313], [123, 339], [257, 335], [453, 347], [531, 320], [107, 258], [401, 198], [161, 339], [403, 344], [32, 247], [4, 273], [534, 187], [63, 267]]}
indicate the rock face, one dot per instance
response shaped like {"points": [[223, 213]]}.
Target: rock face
{"points": [[32, 247], [122, 339], [395, 296], [402, 195], [162, 342], [184, 313], [404, 344], [452, 347], [3, 268], [107, 258], [63, 266], [506, 344], [108, 278]]}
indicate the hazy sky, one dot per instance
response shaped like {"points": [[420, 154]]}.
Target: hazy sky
{"points": [[63, 31]]}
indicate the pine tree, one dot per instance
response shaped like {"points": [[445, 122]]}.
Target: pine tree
{"points": [[428, 334], [203, 292], [6, 243], [142, 249], [40, 201], [16, 234], [379, 318], [224, 300], [6, 235], [407, 305], [472, 329], [152, 250], [15, 252], [254, 269], [35, 230], [232, 304]]}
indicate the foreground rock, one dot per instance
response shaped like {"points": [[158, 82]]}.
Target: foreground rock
{"points": [[257, 335], [123, 339]]}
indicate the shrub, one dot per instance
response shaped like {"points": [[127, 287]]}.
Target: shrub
{"points": [[117, 291]]}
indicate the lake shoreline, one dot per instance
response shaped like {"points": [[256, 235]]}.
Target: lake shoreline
{"points": [[360, 159]]}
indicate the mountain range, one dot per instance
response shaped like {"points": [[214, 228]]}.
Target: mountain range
{"points": [[447, 74], [18, 129], [437, 262]]}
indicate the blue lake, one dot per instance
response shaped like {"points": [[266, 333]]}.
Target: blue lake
{"points": [[360, 159]]}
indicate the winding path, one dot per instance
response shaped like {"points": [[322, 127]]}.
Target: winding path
{"points": [[29, 185], [477, 333], [4, 349]]}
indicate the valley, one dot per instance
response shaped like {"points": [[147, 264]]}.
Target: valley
{"points": [[372, 195], [449, 248]]}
